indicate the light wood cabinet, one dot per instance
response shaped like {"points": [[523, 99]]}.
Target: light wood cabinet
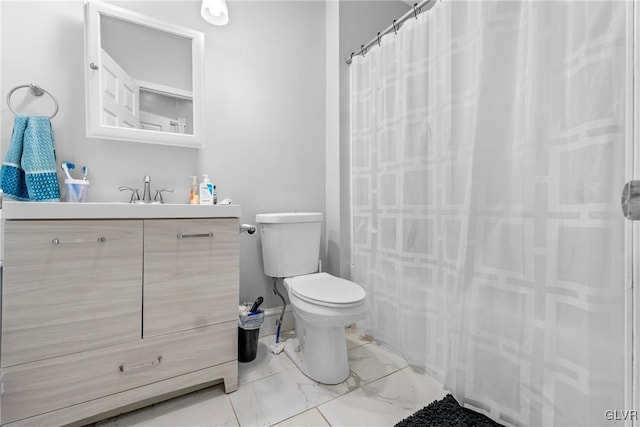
{"points": [[100, 314], [190, 274], [69, 286]]}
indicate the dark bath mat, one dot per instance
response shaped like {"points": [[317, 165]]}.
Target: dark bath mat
{"points": [[447, 412]]}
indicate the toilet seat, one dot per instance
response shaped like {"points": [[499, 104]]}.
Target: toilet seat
{"points": [[326, 290]]}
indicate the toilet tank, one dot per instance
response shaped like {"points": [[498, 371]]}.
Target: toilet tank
{"points": [[290, 243]]}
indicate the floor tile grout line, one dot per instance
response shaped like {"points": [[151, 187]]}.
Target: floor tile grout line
{"points": [[359, 387], [317, 407], [360, 343], [350, 391], [293, 416], [354, 390], [265, 377], [233, 408], [320, 385], [322, 415]]}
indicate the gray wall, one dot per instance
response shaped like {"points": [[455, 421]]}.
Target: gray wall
{"points": [[276, 98], [265, 108], [264, 99]]}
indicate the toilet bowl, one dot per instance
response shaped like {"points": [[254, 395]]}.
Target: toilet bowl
{"points": [[323, 305], [320, 347]]}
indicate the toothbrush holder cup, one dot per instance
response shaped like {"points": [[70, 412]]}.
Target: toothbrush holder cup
{"points": [[77, 190]]}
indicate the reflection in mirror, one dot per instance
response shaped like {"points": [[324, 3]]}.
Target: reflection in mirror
{"points": [[152, 71], [143, 77]]}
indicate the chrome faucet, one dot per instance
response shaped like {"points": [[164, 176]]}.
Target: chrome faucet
{"points": [[146, 193]]}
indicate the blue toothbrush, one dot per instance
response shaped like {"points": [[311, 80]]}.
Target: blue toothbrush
{"points": [[65, 167]]}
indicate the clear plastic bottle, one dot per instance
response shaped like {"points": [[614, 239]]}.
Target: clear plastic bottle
{"points": [[194, 198], [206, 191]]}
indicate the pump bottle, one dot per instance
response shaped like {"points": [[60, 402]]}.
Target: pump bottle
{"points": [[194, 198], [206, 191]]}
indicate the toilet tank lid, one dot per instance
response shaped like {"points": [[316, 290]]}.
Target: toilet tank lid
{"points": [[288, 217]]}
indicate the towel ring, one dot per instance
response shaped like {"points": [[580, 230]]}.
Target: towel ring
{"points": [[36, 91]]}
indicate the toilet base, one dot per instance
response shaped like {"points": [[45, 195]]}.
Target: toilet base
{"points": [[322, 355]]}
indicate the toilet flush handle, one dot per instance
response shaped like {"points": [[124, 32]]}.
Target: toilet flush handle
{"points": [[247, 228]]}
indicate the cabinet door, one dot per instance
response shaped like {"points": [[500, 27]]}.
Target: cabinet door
{"points": [[69, 286], [190, 274]]}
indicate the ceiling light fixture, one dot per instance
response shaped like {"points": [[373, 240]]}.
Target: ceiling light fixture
{"points": [[215, 11]]}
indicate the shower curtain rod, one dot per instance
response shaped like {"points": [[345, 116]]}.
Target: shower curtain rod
{"points": [[418, 8]]}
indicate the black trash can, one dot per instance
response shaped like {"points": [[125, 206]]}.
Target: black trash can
{"points": [[248, 332], [247, 344]]}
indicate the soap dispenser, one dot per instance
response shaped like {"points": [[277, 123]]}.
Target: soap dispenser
{"points": [[206, 191], [194, 199]]}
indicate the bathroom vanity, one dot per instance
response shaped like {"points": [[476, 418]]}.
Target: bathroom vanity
{"points": [[110, 307]]}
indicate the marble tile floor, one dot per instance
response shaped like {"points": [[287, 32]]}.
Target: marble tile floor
{"points": [[380, 391]]}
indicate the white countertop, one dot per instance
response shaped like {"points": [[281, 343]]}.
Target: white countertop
{"points": [[64, 210]]}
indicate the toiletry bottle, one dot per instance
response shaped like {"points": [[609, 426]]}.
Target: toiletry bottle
{"points": [[215, 195], [194, 199], [206, 191]]}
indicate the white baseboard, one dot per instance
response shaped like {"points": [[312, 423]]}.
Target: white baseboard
{"points": [[270, 316]]}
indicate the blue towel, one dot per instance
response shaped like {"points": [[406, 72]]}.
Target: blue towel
{"points": [[29, 168]]}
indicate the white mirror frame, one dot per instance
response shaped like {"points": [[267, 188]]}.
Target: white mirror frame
{"points": [[95, 129]]}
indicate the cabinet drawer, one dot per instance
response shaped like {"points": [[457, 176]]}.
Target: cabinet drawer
{"points": [[190, 274], [43, 386], [69, 286]]}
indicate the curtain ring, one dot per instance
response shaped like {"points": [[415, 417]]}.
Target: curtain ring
{"points": [[352, 53], [362, 50], [415, 12], [394, 27], [378, 38]]}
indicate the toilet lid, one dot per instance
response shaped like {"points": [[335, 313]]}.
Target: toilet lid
{"points": [[325, 289]]}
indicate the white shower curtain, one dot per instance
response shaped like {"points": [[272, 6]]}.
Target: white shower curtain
{"points": [[488, 156]]}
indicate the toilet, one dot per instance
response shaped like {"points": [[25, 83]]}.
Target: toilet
{"points": [[323, 305]]}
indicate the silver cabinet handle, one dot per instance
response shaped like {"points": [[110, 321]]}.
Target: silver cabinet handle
{"points": [[149, 364], [100, 239], [187, 236]]}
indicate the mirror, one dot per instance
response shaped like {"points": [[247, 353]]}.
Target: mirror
{"points": [[143, 78]]}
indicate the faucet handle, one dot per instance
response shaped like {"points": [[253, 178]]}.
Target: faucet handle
{"points": [[134, 193], [158, 197]]}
